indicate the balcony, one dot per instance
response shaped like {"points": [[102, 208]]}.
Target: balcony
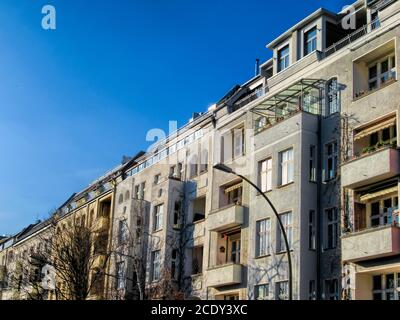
{"points": [[371, 243], [351, 38], [379, 165], [225, 218], [101, 224], [224, 275]]}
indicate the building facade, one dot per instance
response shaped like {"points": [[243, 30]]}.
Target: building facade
{"points": [[316, 130]]}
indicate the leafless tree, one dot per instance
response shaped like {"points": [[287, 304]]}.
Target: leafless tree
{"points": [[74, 256]]}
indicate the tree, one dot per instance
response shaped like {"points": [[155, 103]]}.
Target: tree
{"points": [[69, 265]]}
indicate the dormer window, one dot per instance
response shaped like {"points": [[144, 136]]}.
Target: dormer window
{"points": [[310, 41], [283, 58]]}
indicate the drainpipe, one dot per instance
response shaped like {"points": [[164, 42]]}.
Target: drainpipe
{"points": [[319, 213]]}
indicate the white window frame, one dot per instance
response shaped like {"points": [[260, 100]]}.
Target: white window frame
{"points": [[266, 175], [283, 60], [156, 265], [158, 217], [313, 41], [263, 237], [286, 167], [382, 77], [238, 147], [384, 291], [279, 293], [287, 221], [265, 290], [333, 96]]}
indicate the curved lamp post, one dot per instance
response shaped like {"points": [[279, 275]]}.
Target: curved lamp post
{"points": [[224, 168]]}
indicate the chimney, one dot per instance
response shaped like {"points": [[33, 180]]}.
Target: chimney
{"points": [[257, 67]]}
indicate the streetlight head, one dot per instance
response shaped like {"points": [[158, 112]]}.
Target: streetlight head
{"points": [[224, 168]]}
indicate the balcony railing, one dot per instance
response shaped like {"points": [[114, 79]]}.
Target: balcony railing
{"points": [[251, 97], [352, 37], [391, 79]]}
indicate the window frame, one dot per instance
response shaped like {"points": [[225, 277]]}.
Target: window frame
{"points": [[263, 237], [283, 60], [313, 41], [265, 174], [288, 226], [335, 228], [158, 217], [284, 166]]}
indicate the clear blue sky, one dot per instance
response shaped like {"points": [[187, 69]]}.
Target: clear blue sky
{"points": [[74, 100]]}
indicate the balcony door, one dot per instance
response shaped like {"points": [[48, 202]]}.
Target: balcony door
{"points": [[234, 248]]}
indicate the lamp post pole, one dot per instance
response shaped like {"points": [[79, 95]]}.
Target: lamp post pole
{"points": [[226, 169]]}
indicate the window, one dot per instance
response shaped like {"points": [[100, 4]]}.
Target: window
{"points": [[197, 260], [282, 290], [381, 71], [286, 167], [332, 289], [238, 143], [120, 198], [382, 211], [333, 96], [386, 287], [266, 175], [260, 124], [234, 248], [194, 166], [312, 237], [283, 58], [310, 41], [157, 178], [233, 194], [263, 237], [142, 190], [204, 161], [331, 160], [122, 232], [375, 23], [261, 292], [158, 217], [177, 213], [174, 264], [286, 219], [331, 228], [156, 265], [313, 164], [312, 292], [120, 283], [137, 191]]}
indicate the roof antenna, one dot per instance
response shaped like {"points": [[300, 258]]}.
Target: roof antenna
{"points": [[257, 68]]}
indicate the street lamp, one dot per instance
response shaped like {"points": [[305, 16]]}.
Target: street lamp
{"points": [[224, 168]]}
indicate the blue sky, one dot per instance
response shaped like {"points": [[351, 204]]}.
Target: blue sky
{"points": [[74, 100]]}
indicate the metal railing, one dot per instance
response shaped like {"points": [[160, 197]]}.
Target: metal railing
{"points": [[251, 97], [352, 37]]}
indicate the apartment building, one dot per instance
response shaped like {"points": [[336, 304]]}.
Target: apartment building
{"points": [[316, 130]]}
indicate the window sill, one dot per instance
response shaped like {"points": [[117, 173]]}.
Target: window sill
{"points": [[266, 192], [263, 256], [278, 253], [158, 230], [330, 180], [285, 185], [369, 92]]}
